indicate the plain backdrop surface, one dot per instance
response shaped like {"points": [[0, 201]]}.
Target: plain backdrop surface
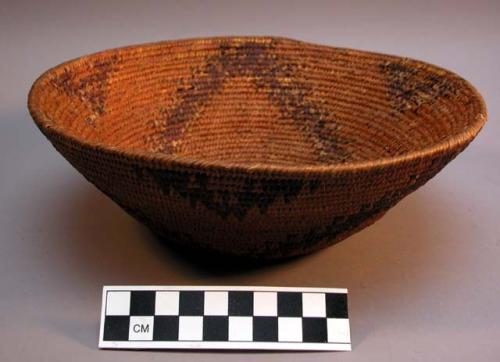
{"points": [[424, 280]]}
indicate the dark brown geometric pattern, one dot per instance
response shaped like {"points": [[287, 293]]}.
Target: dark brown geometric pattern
{"points": [[411, 87], [268, 70], [90, 88], [197, 188]]}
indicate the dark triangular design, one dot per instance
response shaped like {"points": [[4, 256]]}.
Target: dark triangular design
{"points": [[410, 87], [89, 88], [255, 60], [250, 193]]}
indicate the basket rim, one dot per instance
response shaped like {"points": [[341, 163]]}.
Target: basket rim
{"points": [[163, 160]]}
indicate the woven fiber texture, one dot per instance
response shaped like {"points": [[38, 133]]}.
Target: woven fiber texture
{"points": [[260, 147]]}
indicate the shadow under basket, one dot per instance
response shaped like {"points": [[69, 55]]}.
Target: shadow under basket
{"points": [[257, 147]]}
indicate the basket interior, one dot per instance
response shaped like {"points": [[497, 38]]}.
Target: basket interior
{"points": [[255, 101]]}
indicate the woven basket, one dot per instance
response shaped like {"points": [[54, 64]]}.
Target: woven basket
{"points": [[255, 146]]}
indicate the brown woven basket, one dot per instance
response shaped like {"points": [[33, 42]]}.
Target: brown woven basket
{"points": [[255, 146]]}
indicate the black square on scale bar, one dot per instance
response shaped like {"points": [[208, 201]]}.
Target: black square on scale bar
{"points": [[290, 304], [166, 328], [116, 328], [265, 329], [142, 302], [336, 305], [191, 303], [240, 303], [215, 328], [314, 330]]}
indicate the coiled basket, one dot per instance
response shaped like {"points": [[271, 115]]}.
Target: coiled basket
{"points": [[259, 147]]}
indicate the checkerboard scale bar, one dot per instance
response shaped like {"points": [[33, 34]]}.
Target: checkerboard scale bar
{"points": [[222, 317]]}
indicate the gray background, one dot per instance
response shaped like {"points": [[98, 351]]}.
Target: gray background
{"points": [[424, 281]]}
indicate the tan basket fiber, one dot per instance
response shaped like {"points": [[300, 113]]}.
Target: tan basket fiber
{"points": [[255, 146]]}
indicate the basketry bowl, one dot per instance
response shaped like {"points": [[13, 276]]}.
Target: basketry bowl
{"points": [[259, 147]]}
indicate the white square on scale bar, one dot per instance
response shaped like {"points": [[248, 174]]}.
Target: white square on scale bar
{"points": [[117, 303], [338, 330], [167, 303], [216, 303], [289, 329], [313, 305], [240, 329], [190, 328], [265, 304], [141, 328]]}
